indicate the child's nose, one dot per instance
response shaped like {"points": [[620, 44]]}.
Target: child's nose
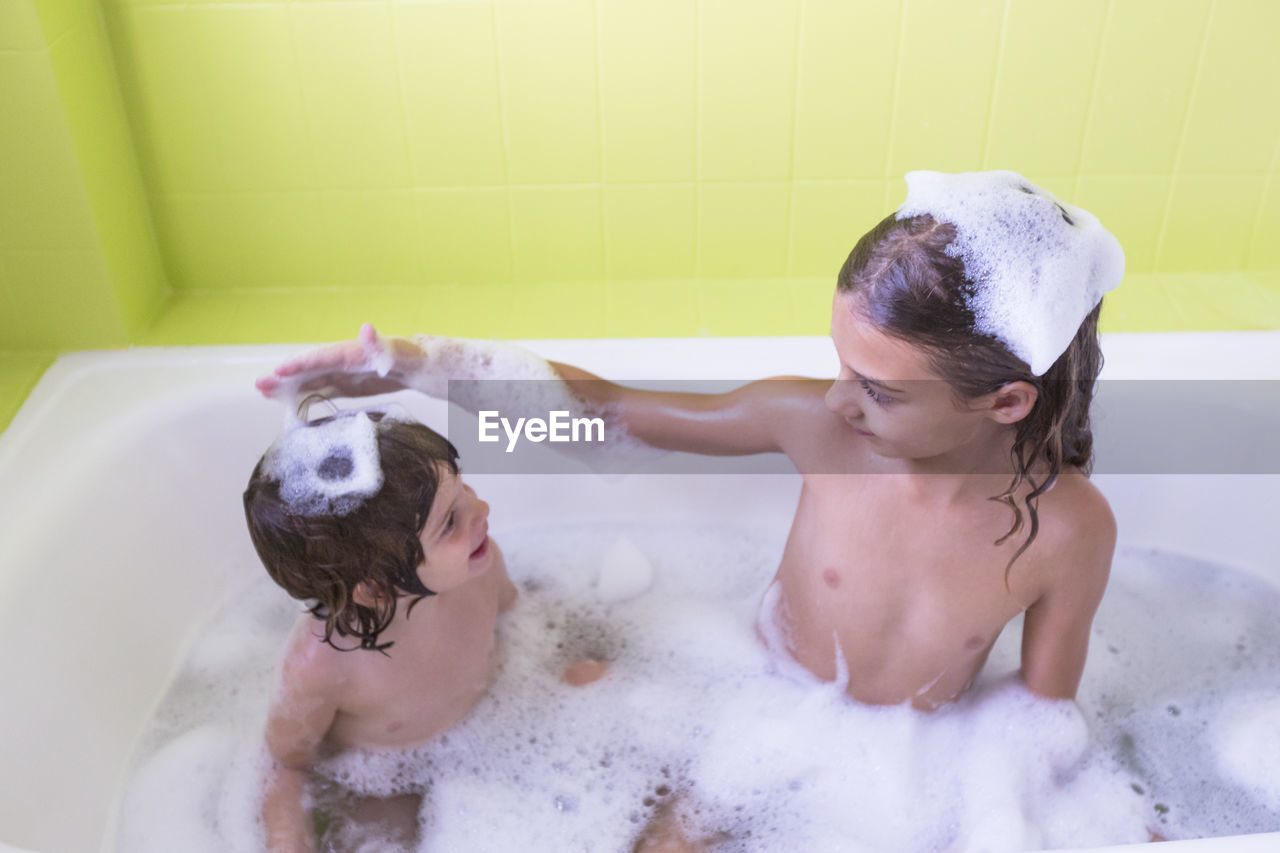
{"points": [[841, 399]]}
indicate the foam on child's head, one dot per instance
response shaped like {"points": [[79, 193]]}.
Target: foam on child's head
{"points": [[1038, 265], [329, 468]]}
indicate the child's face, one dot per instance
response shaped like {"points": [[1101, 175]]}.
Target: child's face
{"points": [[455, 538], [886, 392]]}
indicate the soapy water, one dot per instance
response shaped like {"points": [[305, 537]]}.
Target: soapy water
{"points": [[1175, 731]]}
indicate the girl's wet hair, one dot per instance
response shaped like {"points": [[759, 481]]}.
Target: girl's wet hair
{"points": [[908, 286], [323, 558]]}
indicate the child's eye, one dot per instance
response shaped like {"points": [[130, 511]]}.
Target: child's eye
{"points": [[874, 394], [448, 522]]}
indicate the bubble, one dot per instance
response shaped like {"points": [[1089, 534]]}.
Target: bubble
{"points": [[325, 468], [1039, 265]]}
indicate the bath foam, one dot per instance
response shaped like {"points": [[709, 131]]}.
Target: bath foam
{"points": [[625, 572], [327, 468], [1038, 265], [749, 748]]}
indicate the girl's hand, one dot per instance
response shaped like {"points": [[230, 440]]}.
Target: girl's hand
{"points": [[360, 368]]}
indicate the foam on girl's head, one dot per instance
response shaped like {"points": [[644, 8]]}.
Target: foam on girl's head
{"points": [[328, 468], [1038, 265]]}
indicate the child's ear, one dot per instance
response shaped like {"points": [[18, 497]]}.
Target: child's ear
{"points": [[366, 594], [1013, 402]]}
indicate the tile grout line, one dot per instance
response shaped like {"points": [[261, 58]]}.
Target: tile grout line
{"points": [[600, 138], [890, 136], [502, 126], [698, 145], [1268, 182], [1182, 139], [995, 87], [1103, 32], [420, 261], [795, 132]]}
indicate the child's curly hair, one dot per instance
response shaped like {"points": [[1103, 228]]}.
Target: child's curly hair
{"points": [[323, 558], [909, 287]]}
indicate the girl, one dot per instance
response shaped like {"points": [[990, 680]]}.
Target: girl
{"points": [[945, 470]]}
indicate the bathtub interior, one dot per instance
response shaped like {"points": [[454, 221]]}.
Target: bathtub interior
{"points": [[123, 473]]}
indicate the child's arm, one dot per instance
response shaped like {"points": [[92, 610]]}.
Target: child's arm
{"points": [[759, 417], [300, 716], [1055, 635]]}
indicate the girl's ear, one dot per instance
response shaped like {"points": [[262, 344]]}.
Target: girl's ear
{"points": [[366, 594], [1013, 402]]}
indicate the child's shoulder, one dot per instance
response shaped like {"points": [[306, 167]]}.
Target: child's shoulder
{"points": [[309, 664], [1077, 532]]}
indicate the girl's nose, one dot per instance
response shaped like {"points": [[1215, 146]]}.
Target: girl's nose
{"points": [[841, 399]]}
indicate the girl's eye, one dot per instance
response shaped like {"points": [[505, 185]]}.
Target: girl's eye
{"points": [[448, 522], [874, 394]]}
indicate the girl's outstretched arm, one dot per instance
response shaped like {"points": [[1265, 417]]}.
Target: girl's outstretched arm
{"points": [[758, 417]]}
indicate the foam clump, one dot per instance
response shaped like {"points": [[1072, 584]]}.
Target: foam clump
{"points": [[625, 572], [1248, 746], [1038, 265], [326, 468], [473, 359]]}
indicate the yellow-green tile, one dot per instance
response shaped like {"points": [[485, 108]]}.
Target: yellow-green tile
{"points": [[643, 309], [747, 96], [1140, 304], [20, 26], [373, 238], [472, 310], [46, 207], [1042, 92], [651, 231], [811, 307], [282, 240], [1144, 80], [200, 240], [557, 309], [449, 72], [742, 230], [1264, 246], [63, 300], [738, 308], [1229, 129], [351, 86], [1210, 223], [547, 57], [944, 87], [464, 235], [275, 316], [1130, 207], [827, 220], [109, 173], [59, 17], [194, 317], [1222, 302], [556, 234], [848, 52], [168, 89], [392, 311], [255, 95], [648, 72]]}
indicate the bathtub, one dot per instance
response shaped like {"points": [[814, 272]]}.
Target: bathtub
{"points": [[123, 530]]}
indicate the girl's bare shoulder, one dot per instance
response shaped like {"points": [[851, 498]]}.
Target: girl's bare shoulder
{"points": [[1077, 534]]}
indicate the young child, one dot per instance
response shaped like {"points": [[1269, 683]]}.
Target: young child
{"points": [[966, 331], [366, 516]]}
